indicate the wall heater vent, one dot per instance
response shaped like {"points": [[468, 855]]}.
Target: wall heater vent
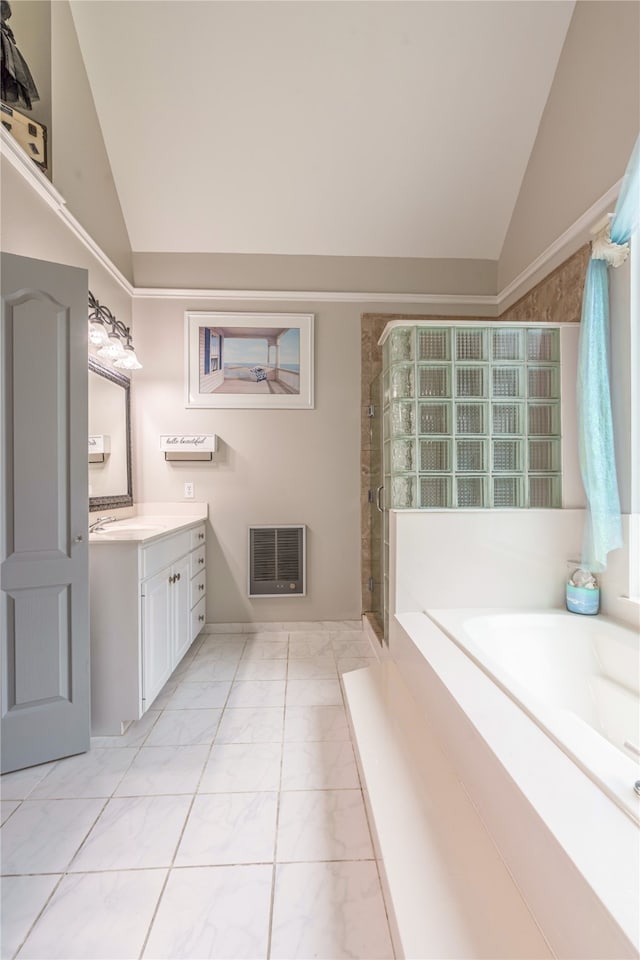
{"points": [[277, 561]]}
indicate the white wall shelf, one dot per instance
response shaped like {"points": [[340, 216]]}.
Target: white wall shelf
{"points": [[189, 446], [99, 447]]}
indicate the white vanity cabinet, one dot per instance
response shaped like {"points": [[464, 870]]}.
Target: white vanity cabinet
{"points": [[147, 607], [197, 583], [166, 625]]}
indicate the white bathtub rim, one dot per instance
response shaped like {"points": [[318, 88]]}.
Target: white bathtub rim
{"points": [[612, 771], [567, 801]]}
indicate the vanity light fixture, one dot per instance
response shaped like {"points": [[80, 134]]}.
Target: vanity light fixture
{"points": [[111, 336]]}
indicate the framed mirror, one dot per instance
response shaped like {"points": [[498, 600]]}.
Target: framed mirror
{"points": [[109, 438]]}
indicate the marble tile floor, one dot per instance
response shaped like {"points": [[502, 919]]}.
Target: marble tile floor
{"points": [[228, 822]]}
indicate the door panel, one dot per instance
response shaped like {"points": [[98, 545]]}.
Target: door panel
{"points": [[44, 499], [156, 635], [41, 620], [38, 337]]}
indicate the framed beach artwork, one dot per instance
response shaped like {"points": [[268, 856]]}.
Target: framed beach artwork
{"points": [[249, 360]]}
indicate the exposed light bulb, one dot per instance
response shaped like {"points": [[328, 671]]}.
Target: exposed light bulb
{"points": [[112, 349], [129, 361], [97, 334]]}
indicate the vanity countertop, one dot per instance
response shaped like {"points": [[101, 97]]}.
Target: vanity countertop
{"points": [[143, 528]]}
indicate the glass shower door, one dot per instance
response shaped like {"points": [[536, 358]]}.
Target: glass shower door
{"points": [[377, 512]]}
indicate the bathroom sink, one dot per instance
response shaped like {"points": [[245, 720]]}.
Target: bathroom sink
{"points": [[133, 524], [131, 528], [139, 528], [128, 533]]}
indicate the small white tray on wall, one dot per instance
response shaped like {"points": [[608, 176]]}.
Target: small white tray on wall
{"points": [[189, 446], [99, 447]]}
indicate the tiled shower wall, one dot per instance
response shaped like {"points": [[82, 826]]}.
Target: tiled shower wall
{"points": [[557, 298]]}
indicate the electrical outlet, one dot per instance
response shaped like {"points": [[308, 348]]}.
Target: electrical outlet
{"points": [[188, 490]]}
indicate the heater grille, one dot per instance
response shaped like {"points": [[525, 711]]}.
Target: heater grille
{"points": [[277, 561]]}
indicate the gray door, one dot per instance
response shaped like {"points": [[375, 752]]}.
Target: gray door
{"points": [[44, 511]]}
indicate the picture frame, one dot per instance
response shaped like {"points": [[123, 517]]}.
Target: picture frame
{"points": [[248, 360]]}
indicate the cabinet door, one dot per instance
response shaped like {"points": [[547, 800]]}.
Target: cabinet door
{"points": [[157, 635], [181, 600]]}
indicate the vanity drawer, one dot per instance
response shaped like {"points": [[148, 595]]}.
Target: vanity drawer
{"points": [[197, 536], [198, 587], [198, 618], [198, 559], [162, 553]]}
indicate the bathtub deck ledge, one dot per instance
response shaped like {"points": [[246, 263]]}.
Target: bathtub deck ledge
{"points": [[445, 883]]}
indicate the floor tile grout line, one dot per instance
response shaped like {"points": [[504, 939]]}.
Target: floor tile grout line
{"points": [[279, 795], [136, 751], [189, 866], [68, 871], [44, 907], [107, 800], [184, 825], [80, 873], [63, 874], [208, 793]]}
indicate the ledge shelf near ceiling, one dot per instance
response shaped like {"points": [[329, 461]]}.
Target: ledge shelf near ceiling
{"points": [[188, 446]]}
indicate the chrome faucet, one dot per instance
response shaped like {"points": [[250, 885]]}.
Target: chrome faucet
{"points": [[97, 525]]}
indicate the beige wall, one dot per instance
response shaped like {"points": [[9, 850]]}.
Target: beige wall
{"points": [[270, 272], [30, 228], [274, 466], [303, 466], [586, 134], [78, 164], [81, 169]]}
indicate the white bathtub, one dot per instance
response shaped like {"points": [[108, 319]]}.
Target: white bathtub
{"points": [[533, 708], [577, 677]]}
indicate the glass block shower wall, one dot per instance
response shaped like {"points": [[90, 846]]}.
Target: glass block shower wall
{"points": [[472, 417]]}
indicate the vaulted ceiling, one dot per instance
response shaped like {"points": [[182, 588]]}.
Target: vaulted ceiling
{"points": [[395, 129]]}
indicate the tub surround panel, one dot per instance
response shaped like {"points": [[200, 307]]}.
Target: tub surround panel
{"points": [[616, 591], [483, 558]]}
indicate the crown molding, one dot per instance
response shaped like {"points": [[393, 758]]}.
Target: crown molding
{"points": [[554, 254], [322, 296], [29, 171], [43, 187], [567, 243]]}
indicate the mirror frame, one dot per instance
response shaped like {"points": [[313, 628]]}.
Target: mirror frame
{"points": [[125, 499]]}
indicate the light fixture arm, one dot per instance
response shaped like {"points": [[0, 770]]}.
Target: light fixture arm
{"points": [[104, 327]]}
